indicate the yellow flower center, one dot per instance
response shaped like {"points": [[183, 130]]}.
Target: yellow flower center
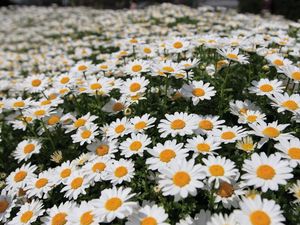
{"points": [[225, 190], [206, 125], [228, 135], [64, 80], [290, 104], [46, 102], [259, 217], [232, 56], [251, 118], [166, 155], [3, 205], [29, 148], [135, 87], [96, 86], [118, 106], [247, 147], [266, 88], [121, 171], [294, 153], [265, 172], [98, 167], [36, 82], [41, 182], [53, 120], [113, 204], [271, 132], [120, 128], [26, 216], [20, 176], [76, 183], [177, 124], [79, 123], [86, 134], [19, 104], [65, 173], [203, 147], [135, 146], [278, 62], [86, 218], [136, 68], [59, 219], [198, 92], [181, 179], [177, 45], [103, 67], [216, 170], [102, 150], [140, 125], [296, 75], [147, 50], [168, 69], [40, 112], [82, 67], [148, 221]]}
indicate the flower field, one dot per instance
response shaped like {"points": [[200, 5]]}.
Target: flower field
{"points": [[157, 116]]}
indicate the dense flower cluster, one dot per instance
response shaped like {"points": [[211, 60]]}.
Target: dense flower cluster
{"points": [[166, 115]]}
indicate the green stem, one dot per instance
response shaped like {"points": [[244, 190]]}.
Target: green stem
{"points": [[222, 90], [48, 135]]}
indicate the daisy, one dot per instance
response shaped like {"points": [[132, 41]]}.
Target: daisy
{"points": [[65, 80], [286, 102], [148, 215], [140, 124], [58, 215], [17, 103], [229, 194], [198, 91], [120, 171], [7, 203], [208, 123], [64, 171], [292, 72], [258, 211], [104, 147], [35, 83], [290, 149], [75, 185], [20, 177], [295, 190], [177, 45], [136, 67], [219, 169], [164, 68], [202, 145], [114, 203], [84, 214], [163, 154], [41, 185], [85, 134], [101, 86], [251, 117], [179, 123], [38, 112], [25, 149], [240, 107], [96, 169], [246, 144], [83, 67], [118, 128], [189, 63], [135, 145], [107, 66], [278, 61], [80, 122], [229, 134], [266, 87], [181, 178], [266, 172], [114, 106], [268, 131], [222, 219], [134, 86], [233, 55], [28, 213], [148, 50]]}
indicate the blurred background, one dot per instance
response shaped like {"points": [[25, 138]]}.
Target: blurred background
{"points": [[288, 8]]}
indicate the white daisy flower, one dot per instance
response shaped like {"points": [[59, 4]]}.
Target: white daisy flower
{"points": [[290, 149], [266, 172], [86, 134], [202, 145], [135, 145], [266, 87], [58, 215], [104, 147], [120, 171], [25, 149]]}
